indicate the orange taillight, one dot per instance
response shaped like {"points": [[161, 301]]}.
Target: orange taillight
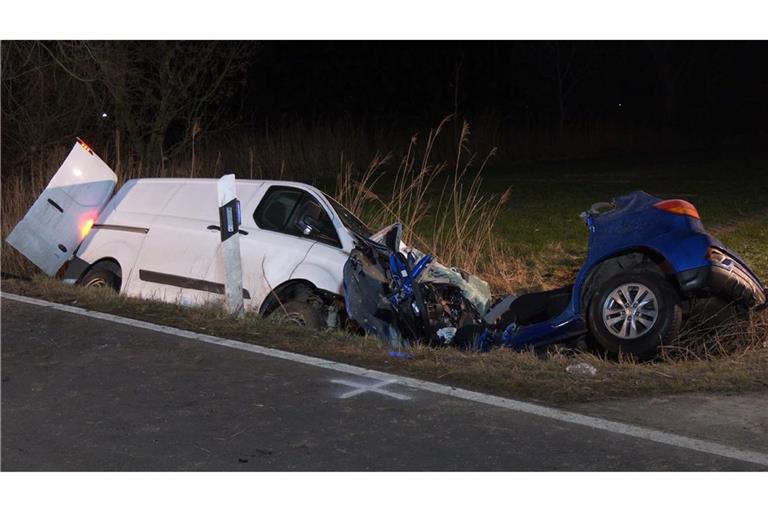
{"points": [[679, 207], [86, 228], [84, 145]]}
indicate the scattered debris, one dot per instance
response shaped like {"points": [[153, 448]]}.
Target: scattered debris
{"points": [[581, 370], [446, 334]]}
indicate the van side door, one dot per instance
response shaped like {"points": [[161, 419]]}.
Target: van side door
{"points": [[180, 248]]}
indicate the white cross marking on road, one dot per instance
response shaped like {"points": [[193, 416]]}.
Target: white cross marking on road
{"points": [[361, 388]]}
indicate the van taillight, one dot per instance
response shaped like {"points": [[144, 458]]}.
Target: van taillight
{"points": [[679, 207], [84, 145], [86, 228]]}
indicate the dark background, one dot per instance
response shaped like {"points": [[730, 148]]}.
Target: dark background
{"points": [[152, 100], [696, 85]]}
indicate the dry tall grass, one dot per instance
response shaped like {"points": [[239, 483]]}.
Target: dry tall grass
{"points": [[715, 329], [440, 206]]}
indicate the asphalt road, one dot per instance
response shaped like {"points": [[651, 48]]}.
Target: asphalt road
{"points": [[86, 394]]}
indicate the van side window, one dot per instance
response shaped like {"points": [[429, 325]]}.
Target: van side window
{"points": [[276, 207], [290, 210]]}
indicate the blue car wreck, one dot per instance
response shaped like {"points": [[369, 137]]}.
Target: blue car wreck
{"points": [[646, 258]]}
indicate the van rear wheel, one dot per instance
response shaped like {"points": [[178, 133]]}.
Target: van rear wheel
{"points": [[101, 276]]}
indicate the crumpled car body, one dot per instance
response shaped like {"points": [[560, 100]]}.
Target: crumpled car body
{"points": [[401, 295], [645, 258]]}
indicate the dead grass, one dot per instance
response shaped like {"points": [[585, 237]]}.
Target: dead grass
{"points": [[445, 213], [716, 330], [441, 206], [503, 372]]}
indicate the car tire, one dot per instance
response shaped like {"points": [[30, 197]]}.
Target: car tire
{"points": [[299, 313], [634, 313], [100, 276]]}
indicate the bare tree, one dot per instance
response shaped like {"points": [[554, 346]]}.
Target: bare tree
{"points": [[156, 95], [43, 103]]}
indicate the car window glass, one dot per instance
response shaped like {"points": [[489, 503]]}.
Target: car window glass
{"points": [[349, 219], [309, 211], [289, 210], [276, 208]]}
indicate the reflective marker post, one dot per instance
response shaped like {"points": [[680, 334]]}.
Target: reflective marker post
{"points": [[229, 221]]}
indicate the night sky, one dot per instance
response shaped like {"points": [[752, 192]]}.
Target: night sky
{"points": [[714, 86]]}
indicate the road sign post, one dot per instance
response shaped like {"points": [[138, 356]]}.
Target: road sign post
{"points": [[229, 221]]}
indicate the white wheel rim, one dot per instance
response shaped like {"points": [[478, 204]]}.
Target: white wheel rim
{"points": [[630, 311], [290, 318], [98, 282]]}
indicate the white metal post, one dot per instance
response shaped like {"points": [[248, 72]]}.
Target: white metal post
{"points": [[233, 269]]}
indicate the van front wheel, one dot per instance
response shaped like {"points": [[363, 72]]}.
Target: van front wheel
{"points": [[299, 313]]}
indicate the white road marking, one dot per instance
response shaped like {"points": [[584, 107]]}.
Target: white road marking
{"points": [[615, 427], [376, 387]]}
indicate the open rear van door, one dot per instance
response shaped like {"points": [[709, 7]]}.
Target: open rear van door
{"points": [[59, 219]]}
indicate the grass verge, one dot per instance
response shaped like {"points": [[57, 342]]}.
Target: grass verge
{"points": [[540, 377]]}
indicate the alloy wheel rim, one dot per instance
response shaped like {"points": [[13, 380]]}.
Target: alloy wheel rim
{"points": [[630, 311]]}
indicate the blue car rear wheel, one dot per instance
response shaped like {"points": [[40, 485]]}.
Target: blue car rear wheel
{"points": [[630, 311], [633, 313]]}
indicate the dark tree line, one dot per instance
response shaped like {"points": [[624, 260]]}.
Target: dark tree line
{"points": [[146, 99], [149, 100]]}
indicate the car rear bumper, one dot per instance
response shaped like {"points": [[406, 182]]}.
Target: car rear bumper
{"points": [[727, 277]]}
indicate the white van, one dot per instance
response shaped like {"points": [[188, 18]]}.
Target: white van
{"points": [[160, 239]]}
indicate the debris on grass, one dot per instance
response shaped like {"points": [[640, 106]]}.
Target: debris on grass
{"points": [[581, 370]]}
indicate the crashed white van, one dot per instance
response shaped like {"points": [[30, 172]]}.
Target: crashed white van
{"points": [[160, 239]]}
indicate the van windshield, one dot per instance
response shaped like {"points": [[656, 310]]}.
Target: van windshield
{"points": [[349, 220]]}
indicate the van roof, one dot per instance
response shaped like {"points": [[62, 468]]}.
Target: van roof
{"points": [[212, 181], [215, 180]]}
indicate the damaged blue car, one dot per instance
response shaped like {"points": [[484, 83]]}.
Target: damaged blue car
{"points": [[647, 258]]}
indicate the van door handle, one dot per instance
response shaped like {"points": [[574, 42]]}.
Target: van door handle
{"points": [[55, 205], [217, 228]]}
